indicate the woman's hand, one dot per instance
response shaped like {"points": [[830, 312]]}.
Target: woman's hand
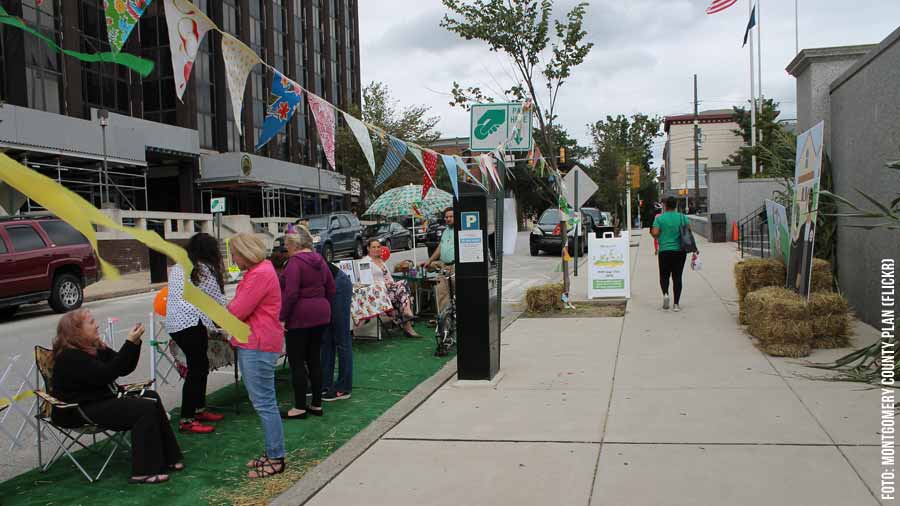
{"points": [[136, 333]]}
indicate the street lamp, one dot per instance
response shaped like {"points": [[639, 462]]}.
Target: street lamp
{"points": [[103, 116]]}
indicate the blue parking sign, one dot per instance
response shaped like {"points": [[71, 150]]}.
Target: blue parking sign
{"points": [[471, 221]]}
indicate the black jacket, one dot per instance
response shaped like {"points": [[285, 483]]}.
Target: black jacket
{"points": [[80, 378]]}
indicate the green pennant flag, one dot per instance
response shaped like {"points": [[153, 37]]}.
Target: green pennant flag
{"points": [[140, 65]]}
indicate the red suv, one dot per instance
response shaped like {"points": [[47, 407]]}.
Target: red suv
{"points": [[43, 258]]}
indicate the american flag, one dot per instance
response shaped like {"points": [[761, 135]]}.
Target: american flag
{"points": [[719, 6]]}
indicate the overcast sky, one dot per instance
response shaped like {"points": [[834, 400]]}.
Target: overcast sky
{"points": [[645, 54]]}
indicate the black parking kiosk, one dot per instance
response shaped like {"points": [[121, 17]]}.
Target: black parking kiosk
{"points": [[479, 258]]}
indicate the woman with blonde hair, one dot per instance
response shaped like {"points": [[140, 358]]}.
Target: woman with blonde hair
{"points": [[85, 372], [257, 302], [307, 289]]}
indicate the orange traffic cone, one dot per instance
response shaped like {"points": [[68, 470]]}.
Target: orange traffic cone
{"points": [[735, 236]]}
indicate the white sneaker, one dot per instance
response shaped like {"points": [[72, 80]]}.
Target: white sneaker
{"points": [[665, 302], [676, 308]]}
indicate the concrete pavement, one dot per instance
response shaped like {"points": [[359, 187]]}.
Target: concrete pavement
{"points": [[656, 408]]}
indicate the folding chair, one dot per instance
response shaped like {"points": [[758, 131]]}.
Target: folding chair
{"points": [[69, 438]]}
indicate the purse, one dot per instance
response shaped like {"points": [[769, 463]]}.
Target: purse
{"points": [[686, 238]]}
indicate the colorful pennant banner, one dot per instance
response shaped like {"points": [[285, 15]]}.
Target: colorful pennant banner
{"points": [[361, 132], [430, 164], [121, 16], [323, 113], [239, 61], [450, 165], [396, 152], [187, 26], [284, 100]]}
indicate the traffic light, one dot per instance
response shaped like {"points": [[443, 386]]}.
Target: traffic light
{"points": [[562, 155], [640, 203], [635, 177]]}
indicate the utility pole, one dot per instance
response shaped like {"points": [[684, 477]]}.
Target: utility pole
{"points": [[628, 198], [752, 101], [696, 147]]}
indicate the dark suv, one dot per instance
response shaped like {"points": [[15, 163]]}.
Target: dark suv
{"points": [[43, 258], [336, 233]]}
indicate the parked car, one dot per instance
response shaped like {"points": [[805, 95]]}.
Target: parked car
{"points": [[420, 231], [545, 236], [336, 233], [601, 221], [392, 235], [43, 258]]}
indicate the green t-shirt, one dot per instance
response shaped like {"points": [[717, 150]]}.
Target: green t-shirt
{"points": [[448, 246], [669, 225]]}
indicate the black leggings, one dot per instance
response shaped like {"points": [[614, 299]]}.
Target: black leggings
{"points": [[671, 263], [153, 445], [304, 353], [194, 342]]}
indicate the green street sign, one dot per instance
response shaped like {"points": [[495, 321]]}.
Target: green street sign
{"points": [[493, 125], [217, 205]]}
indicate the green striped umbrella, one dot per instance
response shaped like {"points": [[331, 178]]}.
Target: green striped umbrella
{"points": [[400, 202]]}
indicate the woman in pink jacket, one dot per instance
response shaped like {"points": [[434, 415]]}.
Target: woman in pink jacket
{"points": [[257, 302]]}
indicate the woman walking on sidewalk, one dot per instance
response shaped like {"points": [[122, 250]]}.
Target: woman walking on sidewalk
{"points": [[257, 302], [667, 230], [307, 289], [189, 328]]}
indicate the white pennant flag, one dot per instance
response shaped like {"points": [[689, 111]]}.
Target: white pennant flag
{"points": [[187, 26], [417, 154], [239, 61], [361, 132]]}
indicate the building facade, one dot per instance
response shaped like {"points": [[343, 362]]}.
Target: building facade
{"points": [[717, 142], [169, 155]]}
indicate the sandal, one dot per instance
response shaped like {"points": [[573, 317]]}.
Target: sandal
{"points": [[178, 466], [153, 479], [266, 467]]}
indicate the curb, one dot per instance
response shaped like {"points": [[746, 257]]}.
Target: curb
{"points": [[123, 293], [321, 475]]}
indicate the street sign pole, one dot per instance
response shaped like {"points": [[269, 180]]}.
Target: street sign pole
{"points": [[628, 197], [577, 227]]}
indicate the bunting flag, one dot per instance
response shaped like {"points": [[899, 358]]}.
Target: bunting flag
{"points": [[396, 152], [450, 165], [187, 26], [487, 166], [142, 66], [121, 16], [416, 151], [324, 115], [536, 156], [431, 160], [361, 132], [462, 165], [284, 99], [239, 61]]}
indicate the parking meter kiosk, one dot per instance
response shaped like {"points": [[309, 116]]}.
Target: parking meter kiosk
{"points": [[479, 255]]}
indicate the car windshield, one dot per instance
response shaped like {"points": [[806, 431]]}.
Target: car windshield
{"points": [[377, 229], [550, 217], [318, 223]]}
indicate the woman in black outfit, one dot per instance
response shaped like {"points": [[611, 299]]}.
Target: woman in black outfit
{"points": [[85, 371]]}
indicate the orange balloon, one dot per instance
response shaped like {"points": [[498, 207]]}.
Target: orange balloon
{"points": [[159, 303]]}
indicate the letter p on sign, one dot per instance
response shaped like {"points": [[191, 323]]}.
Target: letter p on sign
{"points": [[471, 221]]}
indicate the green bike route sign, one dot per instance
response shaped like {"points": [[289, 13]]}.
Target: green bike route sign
{"points": [[493, 124]]}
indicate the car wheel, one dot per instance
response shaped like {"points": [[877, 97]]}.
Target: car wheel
{"points": [[358, 251], [67, 293], [8, 312], [328, 253], [534, 250]]}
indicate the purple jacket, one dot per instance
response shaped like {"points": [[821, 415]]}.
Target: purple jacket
{"points": [[307, 289]]}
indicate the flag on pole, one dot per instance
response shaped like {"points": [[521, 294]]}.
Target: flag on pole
{"points": [[719, 6], [750, 25], [187, 26], [284, 99]]}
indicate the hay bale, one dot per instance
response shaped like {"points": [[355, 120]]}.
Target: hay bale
{"points": [[782, 331], [776, 303], [786, 350], [830, 315], [779, 318], [755, 273], [822, 278], [544, 298]]}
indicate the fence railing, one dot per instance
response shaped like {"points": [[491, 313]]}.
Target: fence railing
{"points": [[754, 234], [174, 225]]}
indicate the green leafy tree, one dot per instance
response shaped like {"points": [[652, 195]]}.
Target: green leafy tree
{"points": [[409, 123], [769, 140]]}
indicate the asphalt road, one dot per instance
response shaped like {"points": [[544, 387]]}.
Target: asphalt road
{"points": [[37, 326]]}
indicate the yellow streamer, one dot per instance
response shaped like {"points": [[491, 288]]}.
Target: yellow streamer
{"points": [[5, 401], [80, 214]]}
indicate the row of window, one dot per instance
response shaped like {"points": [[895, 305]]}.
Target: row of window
{"points": [[25, 238]]}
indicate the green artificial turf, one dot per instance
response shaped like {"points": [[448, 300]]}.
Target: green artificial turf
{"points": [[384, 372]]}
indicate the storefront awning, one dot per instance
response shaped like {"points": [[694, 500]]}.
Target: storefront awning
{"points": [[238, 168]]}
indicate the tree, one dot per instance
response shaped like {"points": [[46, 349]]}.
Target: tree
{"points": [[521, 30], [617, 141], [769, 138], [410, 123]]}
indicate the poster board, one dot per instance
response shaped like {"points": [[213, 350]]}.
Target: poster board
{"points": [[347, 267], [365, 272], [609, 267], [804, 210], [779, 235]]}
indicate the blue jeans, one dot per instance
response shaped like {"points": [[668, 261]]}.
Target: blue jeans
{"points": [[258, 371], [337, 339]]}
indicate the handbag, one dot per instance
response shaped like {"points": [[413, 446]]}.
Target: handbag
{"points": [[686, 238]]}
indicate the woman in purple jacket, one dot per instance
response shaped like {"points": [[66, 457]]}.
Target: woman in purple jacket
{"points": [[307, 289]]}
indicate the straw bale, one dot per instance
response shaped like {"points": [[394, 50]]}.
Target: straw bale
{"points": [[786, 350], [544, 298], [822, 279]]}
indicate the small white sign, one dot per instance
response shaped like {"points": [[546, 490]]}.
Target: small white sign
{"points": [[347, 267], [609, 267], [217, 205], [365, 272], [471, 246]]}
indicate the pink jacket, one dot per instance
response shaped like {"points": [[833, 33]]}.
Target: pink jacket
{"points": [[257, 302]]}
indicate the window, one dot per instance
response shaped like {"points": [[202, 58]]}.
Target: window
{"points": [[25, 238], [550, 217], [3, 249], [206, 87], [345, 223], [62, 234], [105, 85], [690, 175], [334, 222], [396, 228], [42, 65]]}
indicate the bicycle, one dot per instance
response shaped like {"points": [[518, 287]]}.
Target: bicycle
{"points": [[445, 333]]}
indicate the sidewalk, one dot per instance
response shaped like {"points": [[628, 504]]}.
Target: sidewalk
{"points": [[129, 284], [656, 408]]}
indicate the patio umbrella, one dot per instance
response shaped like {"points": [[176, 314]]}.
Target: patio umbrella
{"points": [[405, 200]]}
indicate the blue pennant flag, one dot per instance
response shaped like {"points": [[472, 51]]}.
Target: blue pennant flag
{"points": [[396, 152], [450, 164], [284, 100]]}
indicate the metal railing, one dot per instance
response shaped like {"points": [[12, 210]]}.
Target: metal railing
{"points": [[754, 234]]}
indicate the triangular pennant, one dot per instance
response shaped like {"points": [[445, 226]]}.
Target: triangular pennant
{"points": [[361, 132], [450, 165], [462, 165], [417, 154], [487, 165], [396, 152], [187, 26], [239, 61], [430, 165], [284, 99], [323, 112], [121, 16]]}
